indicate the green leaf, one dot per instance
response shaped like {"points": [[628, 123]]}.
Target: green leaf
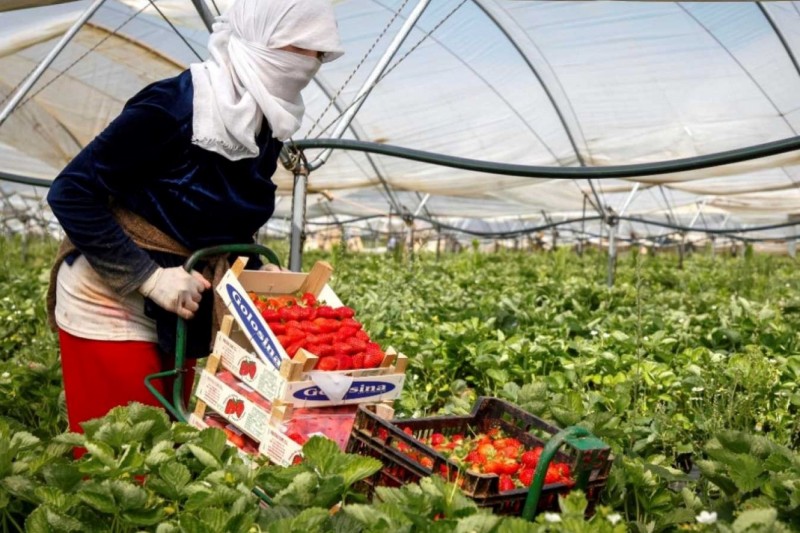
{"points": [[168, 527], [175, 473], [213, 440], [22, 440], [62, 522], [214, 517], [37, 521], [140, 430], [127, 495], [98, 497], [144, 517], [21, 487], [63, 475], [357, 467], [102, 452], [204, 455], [477, 523], [70, 439], [182, 432], [755, 520], [161, 452], [747, 474], [193, 524], [52, 497], [300, 492]]}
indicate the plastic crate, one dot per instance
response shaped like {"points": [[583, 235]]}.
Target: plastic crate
{"points": [[590, 460]]}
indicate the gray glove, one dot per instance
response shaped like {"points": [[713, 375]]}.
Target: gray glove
{"points": [[175, 290]]}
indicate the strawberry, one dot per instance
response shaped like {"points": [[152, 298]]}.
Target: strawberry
{"points": [[328, 364], [283, 340], [344, 334], [408, 431], [487, 450], [351, 323], [357, 360], [310, 327], [437, 439], [278, 328], [291, 350], [309, 299], [372, 360], [373, 347], [509, 466], [326, 311], [342, 348], [362, 335], [526, 476], [323, 350], [492, 467], [270, 315], [357, 344], [553, 474], [531, 457], [345, 312], [506, 484], [345, 363], [427, 462]]}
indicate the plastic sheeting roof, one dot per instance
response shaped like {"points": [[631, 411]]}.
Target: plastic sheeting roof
{"points": [[549, 83]]}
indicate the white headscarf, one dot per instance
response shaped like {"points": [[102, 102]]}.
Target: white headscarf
{"points": [[246, 77]]}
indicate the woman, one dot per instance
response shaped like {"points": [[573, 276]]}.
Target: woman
{"points": [[186, 165]]}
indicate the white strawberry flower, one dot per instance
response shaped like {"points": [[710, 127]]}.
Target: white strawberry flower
{"points": [[706, 518], [552, 517]]}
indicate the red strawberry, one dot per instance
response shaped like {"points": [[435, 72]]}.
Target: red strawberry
{"points": [[342, 348], [427, 462], [291, 350], [505, 483], [283, 340], [531, 457], [309, 299], [372, 360], [270, 315], [408, 431], [310, 327], [362, 335], [358, 360], [526, 476], [278, 328], [373, 347], [509, 466], [357, 344], [328, 364], [437, 439], [553, 474], [492, 467], [345, 362], [326, 311], [351, 323], [345, 312], [323, 350]]}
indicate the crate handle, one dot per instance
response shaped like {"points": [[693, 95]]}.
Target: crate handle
{"points": [[176, 407], [575, 436]]}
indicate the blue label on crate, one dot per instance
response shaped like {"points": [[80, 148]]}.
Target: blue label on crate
{"points": [[255, 326], [362, 389]]}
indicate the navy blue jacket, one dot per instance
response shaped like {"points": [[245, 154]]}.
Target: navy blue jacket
{"points": [[145, 161]]}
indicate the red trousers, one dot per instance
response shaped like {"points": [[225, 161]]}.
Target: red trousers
{"points": [[100, 375]]}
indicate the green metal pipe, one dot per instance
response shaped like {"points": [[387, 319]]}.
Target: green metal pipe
{"points": [[550, 449], [615, 171]]}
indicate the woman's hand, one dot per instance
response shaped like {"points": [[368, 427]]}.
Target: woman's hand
{"points": [[176, 290]]}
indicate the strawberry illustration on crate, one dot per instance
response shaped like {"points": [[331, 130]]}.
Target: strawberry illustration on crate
{"points": [[234, 406], [247, 369]]}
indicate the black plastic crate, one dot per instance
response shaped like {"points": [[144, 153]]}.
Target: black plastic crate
{"points": [[376, 437]]}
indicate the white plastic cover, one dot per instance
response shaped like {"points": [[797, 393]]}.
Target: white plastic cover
{"points": [[538, 83]]}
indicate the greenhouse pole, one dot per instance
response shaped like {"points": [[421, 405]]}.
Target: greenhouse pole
{"points": [[612, 222], [48, 60], [301, 180]]}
